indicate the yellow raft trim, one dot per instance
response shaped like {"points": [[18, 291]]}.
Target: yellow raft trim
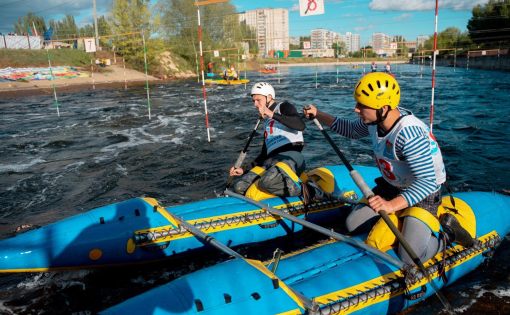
{"points": [[257, 264], [235, 224], [368, 285], [254, 263]]}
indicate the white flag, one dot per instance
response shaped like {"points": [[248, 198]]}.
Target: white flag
{"points": [[311, 7]]}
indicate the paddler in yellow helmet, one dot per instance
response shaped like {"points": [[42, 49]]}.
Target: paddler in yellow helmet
{"points": [[409, 159]]}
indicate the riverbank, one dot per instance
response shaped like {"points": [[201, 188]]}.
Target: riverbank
{"points": [[111, 76], [115, 76]]}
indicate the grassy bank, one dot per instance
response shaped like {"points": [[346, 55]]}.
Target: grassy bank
{"points": [[17, 58]]}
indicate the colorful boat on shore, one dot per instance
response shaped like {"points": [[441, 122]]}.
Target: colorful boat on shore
{"points": [[139, 229], [330, 278]]}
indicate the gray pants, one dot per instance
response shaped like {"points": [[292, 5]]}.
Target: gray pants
{"points": [[419, 236], [274, 180]]}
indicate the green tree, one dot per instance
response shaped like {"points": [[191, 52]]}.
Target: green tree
{"points": [[450, 38], [65, 28], [340, 48], [304, 39], [103, 28], [490, 24], [220, 24], [402, 49], [26, 23], [129, 19]]}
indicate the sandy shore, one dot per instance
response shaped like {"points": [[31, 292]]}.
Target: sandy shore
{"points": [[113, 76]]}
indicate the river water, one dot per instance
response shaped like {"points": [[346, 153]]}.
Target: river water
{"points": [[103, 148]]}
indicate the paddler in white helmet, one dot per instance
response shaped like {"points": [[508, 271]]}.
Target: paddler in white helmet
{"points": [[280, 162]]}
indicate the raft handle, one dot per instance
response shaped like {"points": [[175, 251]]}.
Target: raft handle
{"points": [[199, 305]]}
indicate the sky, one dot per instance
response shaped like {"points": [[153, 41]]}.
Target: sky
{"points": [[408, 18]]}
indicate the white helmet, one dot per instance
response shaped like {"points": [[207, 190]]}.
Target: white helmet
{"points": [[262, 88]]}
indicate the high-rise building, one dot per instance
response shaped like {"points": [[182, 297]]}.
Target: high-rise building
{"points": [[383, 45], [271, 28], [420, 40], [380, 41], [323, 39], [294, 40], [352, 41]]}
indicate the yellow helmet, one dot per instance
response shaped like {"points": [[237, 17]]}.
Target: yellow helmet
{"points": [[376, 90]]}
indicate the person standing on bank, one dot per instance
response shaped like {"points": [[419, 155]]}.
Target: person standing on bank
{"points": [[387, 68], [407, 155], [283, 142], [373, 66]]}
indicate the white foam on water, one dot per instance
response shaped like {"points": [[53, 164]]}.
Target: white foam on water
{"points": [[140, 136], [190, 114], [74, 165], [19, 167], [178, 141], [5, 310], [121, 169], [498, 292], [142, 280]]}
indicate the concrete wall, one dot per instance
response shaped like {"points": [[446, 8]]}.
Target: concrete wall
{"points": [[495, 60]]}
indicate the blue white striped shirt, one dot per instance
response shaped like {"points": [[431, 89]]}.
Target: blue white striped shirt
{"points": [[412, 145]]}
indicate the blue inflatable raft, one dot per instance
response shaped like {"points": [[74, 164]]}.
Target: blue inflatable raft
{"points": [[331, 278], [138, 230]]}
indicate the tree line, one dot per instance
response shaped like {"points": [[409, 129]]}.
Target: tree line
{"points": [[172, 25]]}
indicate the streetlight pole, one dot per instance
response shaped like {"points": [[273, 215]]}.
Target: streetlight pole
{"points": [[95, 24]]}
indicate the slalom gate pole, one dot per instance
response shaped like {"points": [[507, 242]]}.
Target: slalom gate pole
{"points": [[53, 83], [92, 73], [434, 69], [125, 78], [204, 92], [146, 75]]}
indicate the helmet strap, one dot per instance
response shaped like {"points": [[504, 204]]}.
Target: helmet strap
{"points": [[380, 116]]}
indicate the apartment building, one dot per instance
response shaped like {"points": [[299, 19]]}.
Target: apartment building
{"points": [[323, 39], [352, 41], [420, 41], [271, 27], [383, 45]]}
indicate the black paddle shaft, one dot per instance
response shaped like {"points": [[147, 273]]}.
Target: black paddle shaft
{"points": [[242, 155], [252, 134]]}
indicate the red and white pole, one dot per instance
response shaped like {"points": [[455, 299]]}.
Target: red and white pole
{"points": [[204, 92], [434, 69]]}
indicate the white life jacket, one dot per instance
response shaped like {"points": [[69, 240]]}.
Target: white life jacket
{"points": [[395, 171], [277, 134]]}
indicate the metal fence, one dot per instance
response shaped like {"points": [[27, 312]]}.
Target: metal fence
{"points": [[21, 42]]}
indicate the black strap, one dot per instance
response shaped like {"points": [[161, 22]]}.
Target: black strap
{"points": [[452, 200]]}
